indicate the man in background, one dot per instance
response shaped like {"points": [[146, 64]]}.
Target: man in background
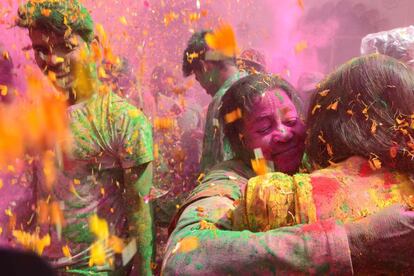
{"points": [[215, 73]]}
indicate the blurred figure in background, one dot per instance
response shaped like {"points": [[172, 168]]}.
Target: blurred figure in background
{"points": [[6, 76], [397, 43], [120, 77], [177, 115], [215, 73], [252, 61], [177, 139], [163, 90]]}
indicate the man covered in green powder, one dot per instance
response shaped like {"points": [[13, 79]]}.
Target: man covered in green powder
{"points": [[216, 73], [109, 171]]}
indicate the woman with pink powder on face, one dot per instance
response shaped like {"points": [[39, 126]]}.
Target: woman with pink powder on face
{"points": [[204, 238]]}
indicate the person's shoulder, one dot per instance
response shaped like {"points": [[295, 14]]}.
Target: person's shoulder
{"points": [[233, 168], [350, 167], [120, 107], [225, 179], [219, 182]]}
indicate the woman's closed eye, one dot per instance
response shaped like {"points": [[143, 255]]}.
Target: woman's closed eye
{"points": [[290, 122], [264, 128]]}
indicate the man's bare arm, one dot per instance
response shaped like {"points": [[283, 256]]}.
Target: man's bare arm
{"points": [[139, 182]]}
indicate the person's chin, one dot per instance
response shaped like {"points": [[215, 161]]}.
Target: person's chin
{"points": [[288, 168], [288, 164]]}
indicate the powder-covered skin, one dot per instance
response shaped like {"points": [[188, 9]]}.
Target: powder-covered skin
{"points": [[204, 243], [274, 127], [112, 143]]}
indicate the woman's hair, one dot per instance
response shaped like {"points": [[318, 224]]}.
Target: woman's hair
{"points": [[364, 108], [242, 95]]}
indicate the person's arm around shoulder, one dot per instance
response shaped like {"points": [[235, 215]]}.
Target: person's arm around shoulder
{"points": [[203, 243]]}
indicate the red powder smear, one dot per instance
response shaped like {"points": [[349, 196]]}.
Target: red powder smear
{"points": [[68, 163], [365, 170], [146, 4], [324, 187], [324, 193], [392, 164], [389, 180]]}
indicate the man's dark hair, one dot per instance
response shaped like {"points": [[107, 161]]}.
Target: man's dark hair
{"points": [[242, 95], [196, 51], [364, 108]]}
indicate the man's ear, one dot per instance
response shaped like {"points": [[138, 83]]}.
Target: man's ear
{"points": [[97, 48], [95, 42]]}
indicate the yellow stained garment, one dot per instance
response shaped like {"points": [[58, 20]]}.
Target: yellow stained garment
{"points": [[347, 191]]}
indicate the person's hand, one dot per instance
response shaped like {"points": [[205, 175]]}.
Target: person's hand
{"points": [[383, 241]]}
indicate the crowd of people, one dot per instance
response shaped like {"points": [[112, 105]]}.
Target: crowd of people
{"points": [[264, 183]]}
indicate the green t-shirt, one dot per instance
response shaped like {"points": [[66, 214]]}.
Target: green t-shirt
{"points": [[109, 135]]}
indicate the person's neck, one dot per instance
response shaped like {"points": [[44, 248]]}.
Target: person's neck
{"points": [[74, 98], [225, 74], [228, 72]]}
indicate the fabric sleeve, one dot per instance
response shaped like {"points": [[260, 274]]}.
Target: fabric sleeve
{"points": [[203, 243]]}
